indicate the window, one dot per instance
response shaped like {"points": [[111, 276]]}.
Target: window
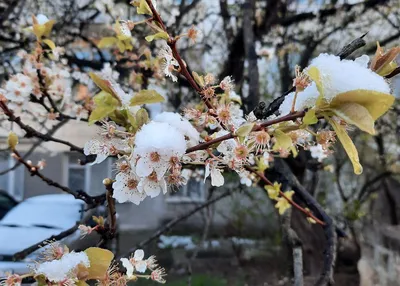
{"points": [[88, 178], [193, 191], [12, 182]]}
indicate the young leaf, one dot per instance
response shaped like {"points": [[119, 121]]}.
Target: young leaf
{"points": [[100, 259], [12, 140], [105, 104], [159, 35], [282, 140], [146, 96], [348, 145], [377, 103], [144, 8], [198, 78], [245, 129], [107, 42], [101, 83], [314, 74], [142, 117], [100, 113], [357, 115], [50, 44], [310, 118]]}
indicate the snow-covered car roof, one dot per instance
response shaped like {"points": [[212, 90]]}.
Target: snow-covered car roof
{"points": [[54, 198], [47, 213], [15, 239]]}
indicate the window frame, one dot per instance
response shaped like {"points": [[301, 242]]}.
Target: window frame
{"points": [[68, 165], [11, 179]]}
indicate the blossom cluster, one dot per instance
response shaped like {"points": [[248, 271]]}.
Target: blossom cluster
{"points": [[59, 266]]}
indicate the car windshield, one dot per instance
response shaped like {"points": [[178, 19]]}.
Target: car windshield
{"points": [[43, 214]]}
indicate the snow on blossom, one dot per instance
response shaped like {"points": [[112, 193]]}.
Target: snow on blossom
{"points": [[18, 88], [180, 123], [155, 144], [126, 188], [168, 63], [42, 19], [217, 179], [318, 152], [109, 72], [305, 99], [62, 269], [335, 74]]}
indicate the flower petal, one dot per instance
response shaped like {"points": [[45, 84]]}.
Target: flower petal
{"points": [[139, 254], [143, 167]]}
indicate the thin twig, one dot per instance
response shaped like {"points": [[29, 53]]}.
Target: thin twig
{"points": [[230, 135], [31, 132], [81, 195], [297, 206], [112, 214], [25, 252]]}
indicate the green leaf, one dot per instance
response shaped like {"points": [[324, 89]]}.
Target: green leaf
{"points": [[348, 145], [310, 118], [104, 99], [146, 96], [314, 74], [12, 140], [142, 117], [377, 103], [100, 113], [121, 46], [144, 8], [105, 105], [101, 83], [357, 115], [159, 35], [245, 129], [282, 140], [198, 78], [100, 259], [107, 42], [50, 43]]}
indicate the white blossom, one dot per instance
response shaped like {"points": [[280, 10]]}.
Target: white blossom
{"points": [[18, 88], [126, 188], [217, 179], [153, 186], [103, 148], [135, 263], [318, 152], [227, 84], [168, 63]]}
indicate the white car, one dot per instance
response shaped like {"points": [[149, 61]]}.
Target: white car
{"points": [[36, 219]]}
